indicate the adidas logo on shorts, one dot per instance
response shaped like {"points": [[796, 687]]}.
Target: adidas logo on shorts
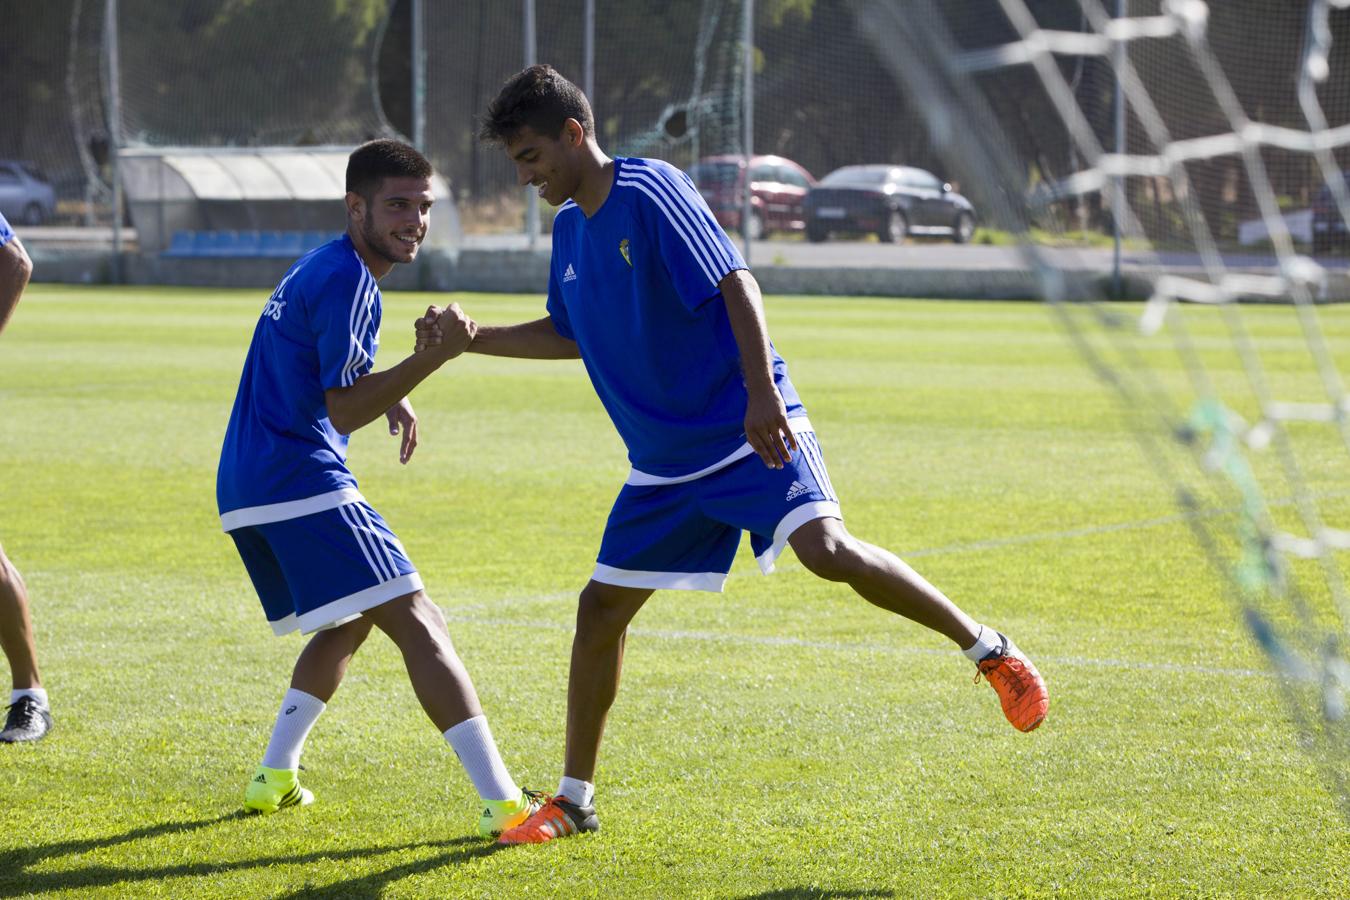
{"points": [[797, 490]]}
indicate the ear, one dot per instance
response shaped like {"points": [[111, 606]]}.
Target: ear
{"points": [[356, 205], [574, 133]]}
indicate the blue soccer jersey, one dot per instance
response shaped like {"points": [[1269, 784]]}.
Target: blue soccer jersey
{"points": [[636, 286], [6, 233], [320, 328]]}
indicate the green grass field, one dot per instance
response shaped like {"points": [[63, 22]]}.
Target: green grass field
{"points": [[781, 740]]}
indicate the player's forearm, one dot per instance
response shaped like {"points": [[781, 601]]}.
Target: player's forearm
{"points": [[745, 311], [15, 270], [528, 340], [370, 396]]}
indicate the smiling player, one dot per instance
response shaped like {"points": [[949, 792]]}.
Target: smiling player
{"points": [[322, 560], [656, 300]]}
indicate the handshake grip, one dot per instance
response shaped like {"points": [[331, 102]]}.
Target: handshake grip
{"points": [[446, 331]]}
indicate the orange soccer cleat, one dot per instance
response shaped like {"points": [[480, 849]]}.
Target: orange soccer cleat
{"points": [[1019, 686], [558, 817]]}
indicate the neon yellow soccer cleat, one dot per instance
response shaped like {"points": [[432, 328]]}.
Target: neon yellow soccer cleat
{"points": [[499, 815], [274, 789]]}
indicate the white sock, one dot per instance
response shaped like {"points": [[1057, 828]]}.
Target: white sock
{"points": [[477, 751], [299, 712], [582, 793], [985, 644], [38, 694]]}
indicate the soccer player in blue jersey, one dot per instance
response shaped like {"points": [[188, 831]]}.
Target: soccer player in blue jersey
{"points": [[322, 560], [657, 302], [29, 717]]}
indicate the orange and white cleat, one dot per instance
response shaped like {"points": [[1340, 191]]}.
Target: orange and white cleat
{"points": [[1019, 686], [558, 817]]}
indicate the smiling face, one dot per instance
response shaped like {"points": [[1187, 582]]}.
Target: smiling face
{"points": [[392, 223], [554, 165]]}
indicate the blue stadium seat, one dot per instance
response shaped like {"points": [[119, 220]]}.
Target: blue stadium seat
{"points": [[244, 244], [314, 239], [214, 243], [281, 244], [247, 243], [181, 244]]}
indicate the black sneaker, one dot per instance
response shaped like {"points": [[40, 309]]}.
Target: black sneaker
{"points": [[557, 818], [28, 720]]}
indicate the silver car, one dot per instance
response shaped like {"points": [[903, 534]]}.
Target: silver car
{"points": [[25, 196]]}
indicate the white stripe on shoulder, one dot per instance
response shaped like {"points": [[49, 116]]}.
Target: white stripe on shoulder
{"points": [[687, 217], [686, 200], [358, 320], [364, 324], [352, 345], [362, 313], [698, 256]]}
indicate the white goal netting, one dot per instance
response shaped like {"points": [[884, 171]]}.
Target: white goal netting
{"points": [[1251, 432]]}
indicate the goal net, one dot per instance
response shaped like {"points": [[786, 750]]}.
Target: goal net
{"points": [[1193, 127]]}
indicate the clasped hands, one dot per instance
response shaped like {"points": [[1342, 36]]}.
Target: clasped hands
{"points": [[447, 332]]}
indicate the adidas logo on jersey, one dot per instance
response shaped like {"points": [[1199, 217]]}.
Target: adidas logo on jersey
{"points": [[570, 274], [273, 310], [796, 490]]}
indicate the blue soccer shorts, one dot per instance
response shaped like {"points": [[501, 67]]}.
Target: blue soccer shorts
{"points": [[684, 534], [324, 569]]}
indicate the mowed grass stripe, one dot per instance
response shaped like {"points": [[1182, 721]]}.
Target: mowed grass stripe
{"points": [[781, 739]]}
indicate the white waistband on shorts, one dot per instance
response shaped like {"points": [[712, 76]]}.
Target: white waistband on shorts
{"points": [[291, 509], [798, 424]]}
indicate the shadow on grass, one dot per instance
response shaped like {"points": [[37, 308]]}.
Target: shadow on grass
{"points": [[815, 893], [16, 881]]}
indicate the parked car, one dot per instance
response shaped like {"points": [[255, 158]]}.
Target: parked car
{"points": [[25, 195], [1328, 226], [777, 188], [891, 202]]}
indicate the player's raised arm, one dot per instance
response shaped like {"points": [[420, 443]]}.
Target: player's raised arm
{"points": [[371, 396], [15, 270]]}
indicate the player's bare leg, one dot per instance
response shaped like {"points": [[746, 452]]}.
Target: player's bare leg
{"points": [[28, 717], [16, 628], [323, 663], [880, 577], [442, 684], [603, 615], [826, 548]]}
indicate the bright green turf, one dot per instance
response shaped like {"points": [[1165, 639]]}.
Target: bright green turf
{"points": [[781, 740]]}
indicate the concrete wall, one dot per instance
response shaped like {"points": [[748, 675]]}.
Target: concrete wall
{"points": [[525, 272]]}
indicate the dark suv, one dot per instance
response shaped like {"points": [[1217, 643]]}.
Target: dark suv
{"points": [[777, 188], [1328, 226], [25, 195], [891, 202]]}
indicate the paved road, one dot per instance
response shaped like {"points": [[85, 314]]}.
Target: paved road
{"points": [[923, 254]]}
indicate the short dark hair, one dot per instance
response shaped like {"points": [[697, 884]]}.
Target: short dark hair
{"points": [[540, 99], [374, 161]]}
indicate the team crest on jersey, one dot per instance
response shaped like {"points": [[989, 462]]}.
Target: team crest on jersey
{"points": [[623, 248], [570, 274]]}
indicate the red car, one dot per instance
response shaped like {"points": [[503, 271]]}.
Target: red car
{"points": [[777, 188]]}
